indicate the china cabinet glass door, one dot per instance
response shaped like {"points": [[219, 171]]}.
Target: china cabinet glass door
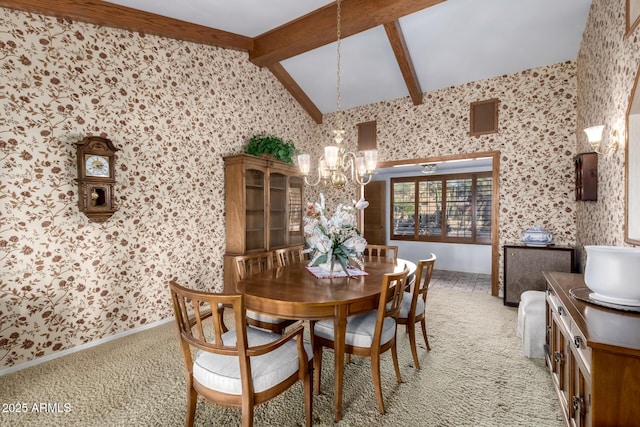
{"points": [[295, 226], [277, 210], [255, 214]]}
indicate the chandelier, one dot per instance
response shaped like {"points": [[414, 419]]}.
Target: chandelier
{"points": [[429, 168], [337, 163]]}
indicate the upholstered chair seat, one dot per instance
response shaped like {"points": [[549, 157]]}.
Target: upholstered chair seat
{"points": [[360, 329], [266, 318], [406, 306], [222, 372]]}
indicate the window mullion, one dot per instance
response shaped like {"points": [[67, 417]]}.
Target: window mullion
{"points": [[416, 204], [443, 214], [474, 204]]}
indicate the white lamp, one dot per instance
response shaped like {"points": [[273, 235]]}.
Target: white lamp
{"points": [[594, 135]]}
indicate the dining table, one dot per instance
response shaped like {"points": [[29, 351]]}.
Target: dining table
{"points": [[294, 292]]}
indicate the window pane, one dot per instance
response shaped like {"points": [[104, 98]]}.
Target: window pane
{"points": [[465, 199], [459, 213], [430, 208], [483, 210], [404, 208]]}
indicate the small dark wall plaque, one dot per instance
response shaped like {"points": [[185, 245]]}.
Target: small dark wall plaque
{"points": [[367, 134], [586, 165], [484, 117]]}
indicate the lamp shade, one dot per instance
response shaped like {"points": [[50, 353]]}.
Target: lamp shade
{"points": [[594, 133], [361, 166], [304, 163], [371, 160], [331, 156]]}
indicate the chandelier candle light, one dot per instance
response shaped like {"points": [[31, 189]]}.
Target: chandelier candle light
{"points": [[336, 161]]}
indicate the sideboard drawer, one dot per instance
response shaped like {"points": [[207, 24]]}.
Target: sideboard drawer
{"points": [[579, 344], [560, 311]]}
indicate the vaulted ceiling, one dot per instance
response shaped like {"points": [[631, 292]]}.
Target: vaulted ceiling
{"points": [[389, 48]]}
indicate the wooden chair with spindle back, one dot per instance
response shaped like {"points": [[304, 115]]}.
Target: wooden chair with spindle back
{"points": [[368, 334], [381, 252], [242, 367], [290, 255], [247, 265], [414, 305]]}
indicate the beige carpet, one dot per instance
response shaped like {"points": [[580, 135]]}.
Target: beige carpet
{"points": [[474, 375]]}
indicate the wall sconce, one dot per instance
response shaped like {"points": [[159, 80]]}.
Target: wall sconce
{"points": [[594, 135]]}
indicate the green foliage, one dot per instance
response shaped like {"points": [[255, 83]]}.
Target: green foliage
{"points": [[269, 144]]}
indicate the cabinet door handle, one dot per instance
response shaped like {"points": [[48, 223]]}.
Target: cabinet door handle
{"points": [[560, 310], [578, 405], [558, 356], [577, 341]]}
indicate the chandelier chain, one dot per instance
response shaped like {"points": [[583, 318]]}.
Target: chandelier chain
{"points": [[338, 95]]}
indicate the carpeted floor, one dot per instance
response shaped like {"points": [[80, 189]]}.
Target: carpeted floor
{"points": [[474, 375]]}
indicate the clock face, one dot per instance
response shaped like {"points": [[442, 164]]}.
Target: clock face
{"points": [[97, 166]]}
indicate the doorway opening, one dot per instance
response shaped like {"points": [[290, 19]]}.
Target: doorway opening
{"points": [[379, 223]]}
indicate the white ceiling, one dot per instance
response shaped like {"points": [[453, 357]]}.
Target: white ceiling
{"points": [[452, 43]]}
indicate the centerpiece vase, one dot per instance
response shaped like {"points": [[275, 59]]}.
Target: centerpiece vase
{"points": [[333, 265]]}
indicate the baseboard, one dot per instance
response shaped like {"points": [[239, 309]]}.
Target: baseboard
{"points": [[81, 347]]}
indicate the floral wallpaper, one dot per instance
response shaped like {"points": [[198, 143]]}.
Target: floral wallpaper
{"points": [[536, 141], [173, 109], [607, 65]]}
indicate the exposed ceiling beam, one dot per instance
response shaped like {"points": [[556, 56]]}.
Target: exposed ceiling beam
{"points": [[318, 28], [296, 91], [116, 16], [396, 38]]}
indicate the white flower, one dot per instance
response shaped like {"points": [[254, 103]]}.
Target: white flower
{"points": [[361, 204], [323, 244], [337, 236]]}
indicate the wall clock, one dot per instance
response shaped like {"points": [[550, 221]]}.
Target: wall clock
{"points": [[96, 178]]}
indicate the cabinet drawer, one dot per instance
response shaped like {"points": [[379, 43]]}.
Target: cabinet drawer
{"points": [[579, 346], [560, 312]]}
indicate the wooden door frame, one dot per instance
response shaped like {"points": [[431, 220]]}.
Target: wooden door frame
{"points": [[495, 211]]}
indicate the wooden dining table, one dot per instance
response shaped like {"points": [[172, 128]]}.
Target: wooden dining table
{"points": [[292, 292]]}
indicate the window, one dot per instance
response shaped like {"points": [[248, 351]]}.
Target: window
{"points": [[421, 205]]}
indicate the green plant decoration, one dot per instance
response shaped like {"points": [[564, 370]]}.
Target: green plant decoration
{"points": [[269, 144]]}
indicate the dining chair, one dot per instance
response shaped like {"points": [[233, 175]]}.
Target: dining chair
{"points": [[247, 265], [290, 255], [242, 367], [381, 251], [414, 303], [368, 334]]}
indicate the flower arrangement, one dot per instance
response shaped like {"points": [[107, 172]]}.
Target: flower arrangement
{"points": [[336, 238]]}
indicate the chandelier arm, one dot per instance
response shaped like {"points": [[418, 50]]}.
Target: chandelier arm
{"points": [[306, 180], [348, 163]]}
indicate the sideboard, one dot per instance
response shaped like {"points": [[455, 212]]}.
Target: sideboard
{"points": [[593, 354]]}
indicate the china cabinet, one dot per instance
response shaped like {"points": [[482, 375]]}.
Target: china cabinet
{"points": [[593, 354], [263, 205]]}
